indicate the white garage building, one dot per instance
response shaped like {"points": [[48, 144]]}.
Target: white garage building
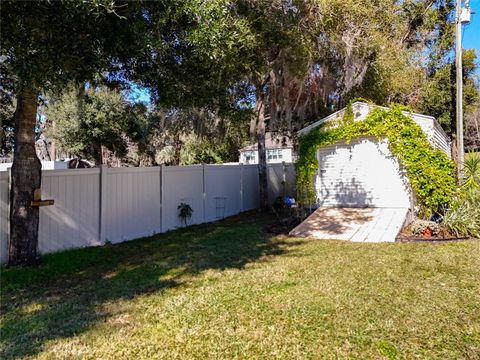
{"points": [[364, 173], [362, 191]]}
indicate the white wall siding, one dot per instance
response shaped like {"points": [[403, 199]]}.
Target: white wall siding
{"points": [[287, 157], [435, 134], [46, 165], [362, 173], [441, 140]]}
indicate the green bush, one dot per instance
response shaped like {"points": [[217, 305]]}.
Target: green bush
{"points": [[431, 173], [463, 218], [471, 171]]}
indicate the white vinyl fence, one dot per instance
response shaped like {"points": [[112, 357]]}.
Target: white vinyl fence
{"points": [[93, 206]]}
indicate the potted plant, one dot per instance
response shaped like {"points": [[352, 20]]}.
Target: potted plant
{"points": [[425, 228], [184, 212]]}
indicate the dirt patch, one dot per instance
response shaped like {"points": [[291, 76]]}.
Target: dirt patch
{"points": [[283, 227], [406, 235]]}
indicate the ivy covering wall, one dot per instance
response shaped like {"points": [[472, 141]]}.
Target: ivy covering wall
{"points": [[430, 172]]}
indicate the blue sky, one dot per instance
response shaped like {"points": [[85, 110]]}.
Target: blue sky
{"points": [[139, 95], [471, 32]]}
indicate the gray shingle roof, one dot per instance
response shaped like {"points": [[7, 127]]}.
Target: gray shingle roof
{"points": [[272, 141]]}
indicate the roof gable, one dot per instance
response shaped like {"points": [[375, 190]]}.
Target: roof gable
{"points": [[435, 134], [360, 112]]}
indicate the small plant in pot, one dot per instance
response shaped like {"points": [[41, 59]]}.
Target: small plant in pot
{"points": [[185, 212], [425, 228]]}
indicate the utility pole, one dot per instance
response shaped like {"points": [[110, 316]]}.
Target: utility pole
{"points": [[462, 16]]}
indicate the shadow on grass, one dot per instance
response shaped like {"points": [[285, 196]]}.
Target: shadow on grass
{"points": [[63, 296]]}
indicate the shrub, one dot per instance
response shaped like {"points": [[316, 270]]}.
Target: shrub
{"points": [[471, 171], [184, 212], [463, 218], [419, 226]]}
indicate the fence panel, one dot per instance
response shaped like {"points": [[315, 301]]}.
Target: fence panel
{"points": [[250, 187], [119, 204], [74, 220], [182, 184], [132, 203], [275, 176], [222, 191], [4, 216], [291, 178]]}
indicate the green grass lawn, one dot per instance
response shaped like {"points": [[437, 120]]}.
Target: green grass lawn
{"points": [[230, 290]]}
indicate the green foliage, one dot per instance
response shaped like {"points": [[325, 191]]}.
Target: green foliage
{"points": [[419, 226], [437, 94], [471, 171], [185, 212], [463, 218], [348, 116], [83, 121], [387, 349], [196, 150], [431, 173], [46, 44]]}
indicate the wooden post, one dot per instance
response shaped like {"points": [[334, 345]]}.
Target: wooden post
{"points": [[459, 88]]}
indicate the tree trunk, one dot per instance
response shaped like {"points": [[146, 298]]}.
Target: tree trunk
{"points": [[25, 178], [53, 148], [262, 153], [97, 149]]}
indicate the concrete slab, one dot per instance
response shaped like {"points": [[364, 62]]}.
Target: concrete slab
{"points": [[353, 224]]}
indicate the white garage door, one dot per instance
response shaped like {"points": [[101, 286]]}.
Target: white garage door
{"points": [[362, 173]]}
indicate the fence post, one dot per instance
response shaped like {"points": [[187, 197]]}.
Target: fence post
{"points": [[204, 194], [162, 197], [241, 187], [7, 215], [103, 203]]}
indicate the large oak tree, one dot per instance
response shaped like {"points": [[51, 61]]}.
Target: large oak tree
{"points": [[45, 45]]}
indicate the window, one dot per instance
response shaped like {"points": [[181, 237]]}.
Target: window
{"points": [[275, 154], [249, 157]]}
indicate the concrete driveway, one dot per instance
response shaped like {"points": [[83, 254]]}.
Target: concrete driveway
{"points": [[353, 224]]}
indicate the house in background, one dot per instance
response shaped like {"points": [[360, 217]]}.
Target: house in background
{"points": [[46, 165], [279, 149]]}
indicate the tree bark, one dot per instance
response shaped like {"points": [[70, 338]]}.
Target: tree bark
{"points": [[262, 153], [25, 178], [97, 149]]}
